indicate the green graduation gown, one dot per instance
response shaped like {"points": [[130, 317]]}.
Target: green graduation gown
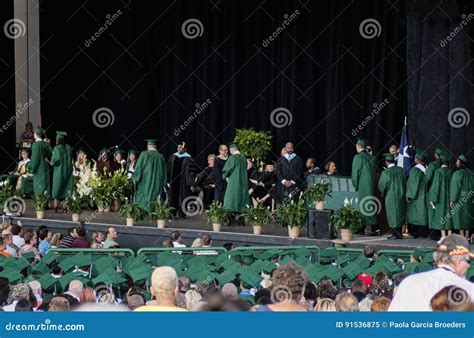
{"points": [[39, 167], [61, 161], [439, 196], [417, 209], [150, 178], [430, 171], [237, 193], [461, 192], [393, 188], [363, 179]]}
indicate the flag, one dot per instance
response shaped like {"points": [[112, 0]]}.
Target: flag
{"points": [[404, 159]]}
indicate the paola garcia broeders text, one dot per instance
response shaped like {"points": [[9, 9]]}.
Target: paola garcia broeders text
{"points": [[401, 325]]}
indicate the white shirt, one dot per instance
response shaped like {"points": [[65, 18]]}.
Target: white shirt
{"points": [[415, 292], [178, 245], [18, 241]]}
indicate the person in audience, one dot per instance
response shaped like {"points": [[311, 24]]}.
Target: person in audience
{"points": [[59, 304], [135, 300], [311, 168], [369, 252], [325, 305], [97, 240], [262, 297], [326, 290], [346, 302], [67, 241], [452, 261], [192, 298], [81, 242], [3, 252], [110, 241], [164, 287], [359, 290], [289, 282], [23, 305], [75, 289], [184, 284], [30, 245], [380, 304], [177, 240], [229, 291], [56, 271], [206, 241], [88, 295], [17, 235], [246, 291], [44, 245], [10, 248], [56, 240], [310, 295], [168, 243], [37, 290], [330, 168], [18, 292], [197, 243], [450, 298]]}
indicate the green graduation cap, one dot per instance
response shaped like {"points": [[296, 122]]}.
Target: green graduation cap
{"points": [[251, 279], [30, 256], [315, 272], [463, 159], [225, 277], [352, 270], [421, 155], [410, 267], [141, 273], [12, 274], [233, 145], [104, 150], [105, 278], [133, 151], [67, 278], [439, 150], [420, 253], [363, 142], [423, 266], [341, 260], [151, 142], [388, 157], [333, 273], [363, 261], [40, 131], [119, 151], [47, 281], [444, 157], [61, 134]]}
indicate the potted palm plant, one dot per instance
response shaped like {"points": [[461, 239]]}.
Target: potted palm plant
{"points": [[132, 212], [292, 215], [75, 204], [318, 192], [217, 214], [41, 201], [161, 213], [347, 220], [120, 186], [257, 216]]}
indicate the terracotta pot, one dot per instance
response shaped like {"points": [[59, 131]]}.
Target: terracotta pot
{"points": [[293, 231], [346, 235], [257, 229], [76, 217], [320, 205], [130, 221], [216, 227], [161, 223], [116, 204], [39, 214]]}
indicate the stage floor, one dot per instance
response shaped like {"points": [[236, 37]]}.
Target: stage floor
{"points": [[192, 227]]}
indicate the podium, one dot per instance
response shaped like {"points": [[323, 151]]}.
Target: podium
{"points": [[318, 224]]}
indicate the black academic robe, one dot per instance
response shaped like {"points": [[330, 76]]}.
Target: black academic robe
{"points": [[269, 181], [221, 184], [290, 171], [205, 181], [181, 176]]}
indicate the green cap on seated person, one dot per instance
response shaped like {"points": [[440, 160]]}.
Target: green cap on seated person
{"points": [[251, 279], [225, 277], [47, 281], [12, 274], [343, 259], [141, 273]]}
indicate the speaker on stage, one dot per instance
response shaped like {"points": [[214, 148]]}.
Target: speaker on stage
{"points": [[318, 224]]}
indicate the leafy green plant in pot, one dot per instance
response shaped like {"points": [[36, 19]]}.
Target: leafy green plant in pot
{"points": [[41, 202], [76, 204], [7, 192], [292, 215], [161, 213], [347, 220], [317, 193], [254, 144], [102, 194], [132, 212], [257, 216], [216, 215], [120, 186]]}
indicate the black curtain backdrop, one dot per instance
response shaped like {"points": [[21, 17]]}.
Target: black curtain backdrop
{"points": [[7, 90], [319, 67]]}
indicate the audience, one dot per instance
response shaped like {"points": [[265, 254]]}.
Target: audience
{"points": [[56, 240], [44, 236], [177, 240], [75, 289], [110, 241], [325, 305], [30, 243], [80, 242], [346, 302], [67, 241]]}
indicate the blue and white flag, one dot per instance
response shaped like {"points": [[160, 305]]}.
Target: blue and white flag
{"points": [[404, 159]]}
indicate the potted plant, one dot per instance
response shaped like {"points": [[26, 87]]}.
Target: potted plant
{"points": [[347, 219], [120, 187], [132, 212], [318, 192], [254, 144], [41, 201], [292, 215], [217, 214], [161, 213], [257, 216], [75, 204], [7, 192], [102, 193]]}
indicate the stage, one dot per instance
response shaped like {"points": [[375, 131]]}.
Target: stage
{"points": [[146, 234]]}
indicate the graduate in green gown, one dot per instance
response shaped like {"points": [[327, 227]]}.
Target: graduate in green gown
{"points": [[392, 186], [430, 170], [461, 197], [61, 162], [235, 173], [417, 196], [439, 198], [149, 176], [39, 164], [363, 179]]}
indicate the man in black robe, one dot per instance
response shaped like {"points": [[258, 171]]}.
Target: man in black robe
{"points": [[289, 172], [182, 171], [205, 181], [219, 163]]}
